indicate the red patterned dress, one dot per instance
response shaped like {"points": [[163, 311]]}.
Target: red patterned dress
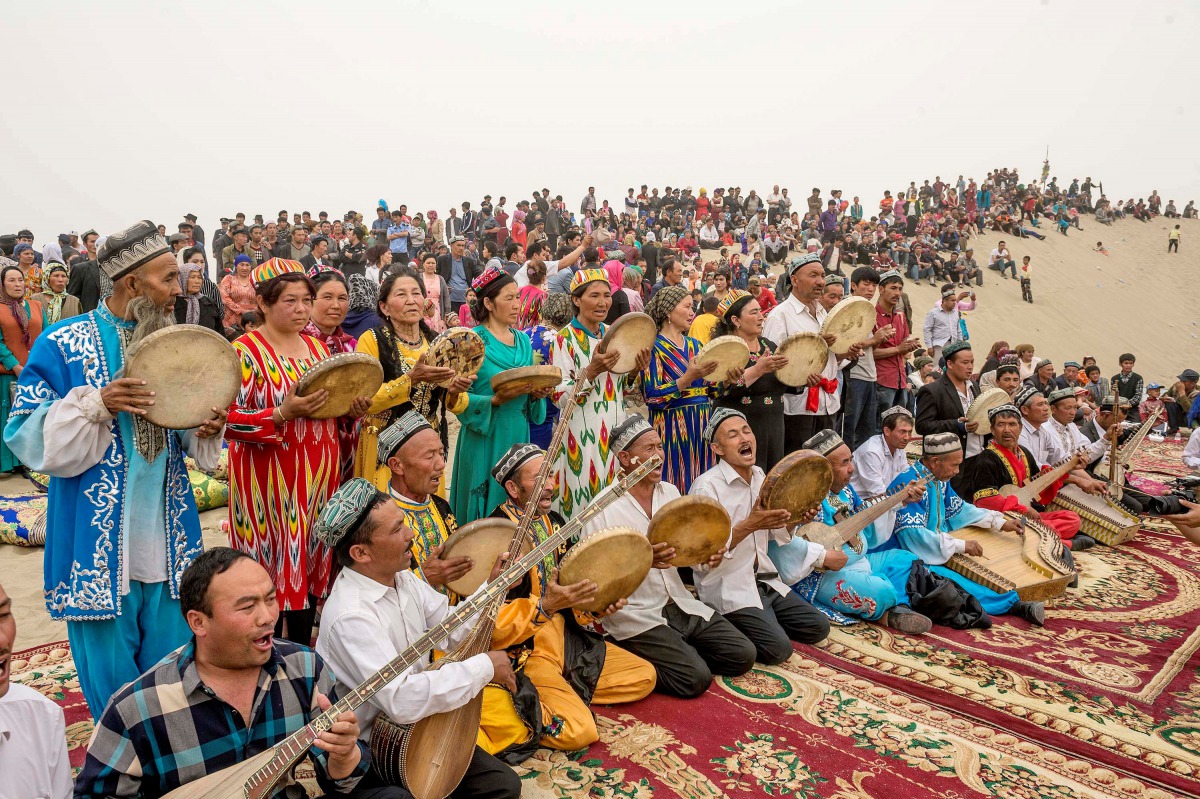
{"points": [[280, 477], [337, 342]]}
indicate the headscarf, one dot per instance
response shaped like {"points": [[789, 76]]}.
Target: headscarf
{"points": [[432, 215], [664, 301], [52, 252], [55, 304], [193, 300], [518, 215], [616, 274], [17, 306], [364, 293]]}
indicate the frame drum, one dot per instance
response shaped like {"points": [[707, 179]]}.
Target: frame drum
{"points": [[695, 527], [852, 320], [629, 335], [729, 353], [807, 354], [345, 376], [617, 560], [529, 378], [191, 370], [482, 541], [798, 483], [460, 349]]}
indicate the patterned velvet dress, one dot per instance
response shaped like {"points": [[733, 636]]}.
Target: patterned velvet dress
{"points": [[679, 416]]}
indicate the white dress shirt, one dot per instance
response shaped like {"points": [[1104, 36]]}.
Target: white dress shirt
{"points": [[365, 624], [733, 585], [1072, 439], [876, 466], [787, 319], [1191, 453], [1043, 442], [33, 747], [644, 608]]}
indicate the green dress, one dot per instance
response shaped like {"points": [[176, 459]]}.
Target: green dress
{"points": [[487, 432]]}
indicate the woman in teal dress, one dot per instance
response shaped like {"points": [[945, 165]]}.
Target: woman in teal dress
{"points": [[492, 422]]}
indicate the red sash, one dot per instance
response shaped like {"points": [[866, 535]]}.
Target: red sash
{"points": [[814, 393]]}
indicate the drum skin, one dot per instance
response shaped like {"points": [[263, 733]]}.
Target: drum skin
{"points": [[695, 527], [617, 559], [798, 483]]}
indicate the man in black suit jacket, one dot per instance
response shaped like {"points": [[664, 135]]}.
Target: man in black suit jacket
{"points": [[940, 404], [458, 284], [89, 284]]}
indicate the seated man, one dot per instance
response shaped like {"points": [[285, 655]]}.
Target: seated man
{"points": [[568, 665], [1064, 405], [686, 640], [1005, 462], [869, 585], [924, 527], [745, 586], [1109, 416], [377, 609], [230, 693], [880, 459], [33, 735]]}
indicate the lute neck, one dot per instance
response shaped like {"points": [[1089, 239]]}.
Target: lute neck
{"points": [[872, 510]]}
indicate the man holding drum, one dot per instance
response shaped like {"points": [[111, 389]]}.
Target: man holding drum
{"points": [[568, 665], [685, 640], [121, 508], [745, 585]]}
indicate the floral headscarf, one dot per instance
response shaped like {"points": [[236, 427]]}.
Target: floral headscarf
{"points": [[664, 301], [55, 304], [16, 305]]}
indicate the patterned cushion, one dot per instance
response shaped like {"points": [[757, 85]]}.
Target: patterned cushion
{"points": [[23, 520], [210, 492]]}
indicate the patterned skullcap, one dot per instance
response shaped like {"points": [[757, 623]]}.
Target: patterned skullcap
{"points": [[1072, 363], [834, 280], [1110, 401], [1007, 408], [734, 301], [345, 511], [824, 442], [718, 416], [516, 457], [940, 444], [396, 434], [629, 431], [1061, 394], [1042, 362], [664, 301], [948, 291], [273, 268], [1006, 368], [585, 276], [1024, 394], [1012, 359], [889, 276], [895, 410], [491, 281], [802, 260], [556, 309], [955, 347], [127, 249]]}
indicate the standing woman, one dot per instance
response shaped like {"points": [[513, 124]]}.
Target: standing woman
{"points": [[56, 303], [437, 294], [20, 324], [676, 391], [400, 341], [237, 288], [436, 233], [531, 296], [379, 258], [325, 325], [192, 307], [587, 463], [520, 234], [555, 313], [283, 464], [493, 422], [757, 392]]}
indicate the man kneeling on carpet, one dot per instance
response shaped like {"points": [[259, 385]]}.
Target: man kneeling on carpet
{"points": [[33, 736]]}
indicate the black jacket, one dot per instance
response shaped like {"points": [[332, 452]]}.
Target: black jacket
{"points": [[85, 283], [470, 266], [210, 315], [939, 409]]}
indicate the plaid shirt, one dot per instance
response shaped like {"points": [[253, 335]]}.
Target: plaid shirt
{"points": [[167, 728]]}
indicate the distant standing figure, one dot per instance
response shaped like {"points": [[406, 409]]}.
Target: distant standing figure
{"points": [[1173, 239]]}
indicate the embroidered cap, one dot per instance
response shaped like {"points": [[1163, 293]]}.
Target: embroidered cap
{"points": [[948, 291], [824, 442], [1024, 395], [127, 249], [734, 301], [1061, 394], [940, 444], [1110, 401], [629, 431], [273, 268], [1008, 368], [1072, 363], [895, 410], [345, 511], [890, 276], [516, 457], [955, 347], [487, 278], [585, 276], [802, 260], [1000, 410], [719, 415], [1043, 362], [396, 434], [834, 280]]}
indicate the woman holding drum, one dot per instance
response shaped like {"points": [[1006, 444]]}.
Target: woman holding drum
{"points": [[676, 391], [494, 419], [400, 342], [328, 312], [283, 464], [757, 393], [587, 464]]}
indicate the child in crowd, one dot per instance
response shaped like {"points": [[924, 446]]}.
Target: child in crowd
{"points": [[1153, 403], [1026, 280], [1100, 248]]}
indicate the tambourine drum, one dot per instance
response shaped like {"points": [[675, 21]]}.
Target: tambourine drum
{"points": [[978, 411], [345, 376], [807, 354], [460, 349], [191, 370], [482, 541], [694, 526], [729, 353], [797, 483], [852, 320], [629, 335], [616, 559], [528, 378]]}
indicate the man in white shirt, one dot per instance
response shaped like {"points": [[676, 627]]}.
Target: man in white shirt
{"points": [[710, 237], [882, 458], [1043, 442], [542, 250], [745, 586], [808, 409], [378, 608], [1191, 453], [686, 640], [941, 323], [33, 736], [1063, 405], [1001, 260]]}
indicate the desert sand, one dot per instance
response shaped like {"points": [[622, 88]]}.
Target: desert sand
{"points": [[1137, 299]]}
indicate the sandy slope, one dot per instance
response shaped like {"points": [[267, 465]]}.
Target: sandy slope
{"points": [[1137, 299]]}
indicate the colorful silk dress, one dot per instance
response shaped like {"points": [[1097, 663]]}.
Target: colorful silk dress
{"points": [[488, 431], [678, 416], [280, 477], [337, 342], [531, 306], [586, 465]]}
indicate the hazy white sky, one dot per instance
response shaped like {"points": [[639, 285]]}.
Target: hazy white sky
{"points": [[121, 110]]}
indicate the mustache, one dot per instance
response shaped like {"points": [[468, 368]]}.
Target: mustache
{"points": [[150, 318]]}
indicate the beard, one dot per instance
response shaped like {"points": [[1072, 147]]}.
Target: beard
{"points": [[150, 318]]}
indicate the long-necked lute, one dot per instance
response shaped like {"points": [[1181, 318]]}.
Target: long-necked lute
{"points": [[846, 531], [1028, 493], [1120, 457], [259, 777]]}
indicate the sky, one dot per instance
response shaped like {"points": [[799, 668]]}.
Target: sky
{"points": [[124, 109]]}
